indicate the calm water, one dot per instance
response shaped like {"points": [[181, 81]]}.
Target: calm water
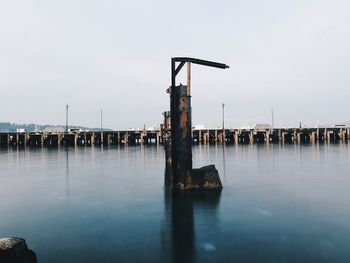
{"points": [[279, 204]]}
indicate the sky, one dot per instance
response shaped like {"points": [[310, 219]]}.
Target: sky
{"points": [[292, 56]]}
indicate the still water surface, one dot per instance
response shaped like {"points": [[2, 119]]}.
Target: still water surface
{"points": [[286, 203]]}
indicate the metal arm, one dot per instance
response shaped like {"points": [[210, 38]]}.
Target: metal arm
{"points": [[183, 60]]}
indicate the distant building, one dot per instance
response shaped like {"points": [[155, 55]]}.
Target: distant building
{"points": [[199, 127], [152, 128], [54, 130], [20, 130], [261, 127]]}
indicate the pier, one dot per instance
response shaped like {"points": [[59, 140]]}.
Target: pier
{"points": [[81, 138], [278, 135], [159, 136]]}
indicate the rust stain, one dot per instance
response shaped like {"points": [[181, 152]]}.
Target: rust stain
{"points": [[183, 116]]}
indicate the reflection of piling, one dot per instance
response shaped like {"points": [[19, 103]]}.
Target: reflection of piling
{"points": [[183, 239], [179, 234]]}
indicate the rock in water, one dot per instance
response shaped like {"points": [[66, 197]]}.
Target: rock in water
{"points": [[15, 250], [206, 177]]}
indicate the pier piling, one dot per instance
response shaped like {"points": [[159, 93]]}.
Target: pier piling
{"points": [[181, 129], [197, 136]]}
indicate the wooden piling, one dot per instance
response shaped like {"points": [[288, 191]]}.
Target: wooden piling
{"points": [[251, 137], [236, 137], [267, 137]]}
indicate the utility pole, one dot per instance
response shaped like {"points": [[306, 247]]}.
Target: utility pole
{"points": [[67, 106], [273, 121], [101, 129], [223, 116], [223, 124]]}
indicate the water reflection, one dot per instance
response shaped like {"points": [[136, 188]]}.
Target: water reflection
{"points": [[224, 158], [181, 208], [67, 173], [280, 203]]}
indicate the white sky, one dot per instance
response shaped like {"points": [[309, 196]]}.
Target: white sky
{"points": [[293, 56]]}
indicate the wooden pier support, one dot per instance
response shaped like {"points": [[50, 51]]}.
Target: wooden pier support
{"points": [[36, 139], [157, 137], [70, 139], [53, 140], [22, 139], [3, 140], [126, 138]]}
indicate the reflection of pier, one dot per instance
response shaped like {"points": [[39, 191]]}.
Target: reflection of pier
{"points": [[202, 136]]}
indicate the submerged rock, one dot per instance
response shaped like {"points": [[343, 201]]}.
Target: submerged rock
{"points": [[15, 250]]}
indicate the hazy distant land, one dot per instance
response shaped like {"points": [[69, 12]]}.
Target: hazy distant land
{"points": [[12, 127]]}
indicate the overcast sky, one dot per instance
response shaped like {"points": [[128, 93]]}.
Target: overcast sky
{"points": [[293, 56]]}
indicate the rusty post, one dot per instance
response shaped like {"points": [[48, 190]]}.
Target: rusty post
{"points": [[181, 133], [101, 130], [181, 121], [181, 137]]}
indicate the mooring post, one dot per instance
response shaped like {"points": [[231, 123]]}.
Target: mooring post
{"points": [[181, 134], [181, 123]]}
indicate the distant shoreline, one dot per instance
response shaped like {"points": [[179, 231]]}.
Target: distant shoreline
{"points": [[31, 127]]}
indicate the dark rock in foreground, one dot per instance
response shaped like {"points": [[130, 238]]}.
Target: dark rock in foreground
{"points": [[206, 177], [15, 250]]}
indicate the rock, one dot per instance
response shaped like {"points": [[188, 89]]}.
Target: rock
{"points": [[206, 177], [15, 250]]}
